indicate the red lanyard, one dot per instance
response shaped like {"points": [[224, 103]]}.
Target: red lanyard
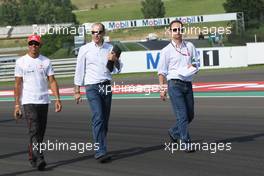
{"points": [[184, 54]]}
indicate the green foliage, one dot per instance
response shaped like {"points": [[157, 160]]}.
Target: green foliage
{"points": [[109, 11], [153, 8], [53, 42], [253, 10], [253, 17], [23, 12], [134, 47], [9, 12], [62, 53]]}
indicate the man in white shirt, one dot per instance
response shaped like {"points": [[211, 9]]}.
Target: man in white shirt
{"points": [[178, 63], [33, 74], [93, 72]]}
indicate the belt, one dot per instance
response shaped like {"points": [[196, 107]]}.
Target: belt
{"points": [[105, 82], [181, 81]]}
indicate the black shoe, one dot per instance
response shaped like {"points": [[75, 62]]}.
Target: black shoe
{"points": [[33, 163], [104, 158], [172, 140], [41, 165], [189, 150]]}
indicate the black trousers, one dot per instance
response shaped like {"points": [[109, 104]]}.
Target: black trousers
{"points": [[36, 115]]}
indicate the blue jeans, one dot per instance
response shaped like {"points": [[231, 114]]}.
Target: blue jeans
{"points": [[100, 103], [181, 97]]}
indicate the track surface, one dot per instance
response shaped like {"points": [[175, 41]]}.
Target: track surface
{"points": [[138, 131]]}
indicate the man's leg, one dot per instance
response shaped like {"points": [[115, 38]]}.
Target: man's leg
{"points": [[31, 114], [95, 102], [42, 110], [180, 130], [107, 102], [190, 103]]}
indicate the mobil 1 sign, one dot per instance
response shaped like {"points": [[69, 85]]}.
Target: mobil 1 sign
{"points": [[210, 58]]}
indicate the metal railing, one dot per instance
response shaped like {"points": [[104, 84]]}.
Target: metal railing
{"points": [[62, 68], [26, 30]]}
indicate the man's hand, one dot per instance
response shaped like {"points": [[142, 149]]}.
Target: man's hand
{"points": [[163, 92], [112, 57], [163, 95], [190, 65], [17, 112], [162, 88], [58, 106], [77, 97]]}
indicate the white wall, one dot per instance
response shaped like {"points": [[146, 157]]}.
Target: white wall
{"points": [[228, 57], [255, 53], [137, 61], [221, 57]]}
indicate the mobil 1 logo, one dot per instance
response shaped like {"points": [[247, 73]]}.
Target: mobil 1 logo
{"points": [[210, 58]]}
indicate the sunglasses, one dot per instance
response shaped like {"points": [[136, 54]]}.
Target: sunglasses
{"points": [[97, 32], [177, 30], [33, 43]]}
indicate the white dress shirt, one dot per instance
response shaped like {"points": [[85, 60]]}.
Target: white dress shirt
{"points": [[91, 64], [34, 72], [173, 58]]}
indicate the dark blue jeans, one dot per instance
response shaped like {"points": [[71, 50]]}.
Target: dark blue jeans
{"points": [[181, 96], [100, 99]]}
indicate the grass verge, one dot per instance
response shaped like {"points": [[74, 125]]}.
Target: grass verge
{"points": [[124, 10]]}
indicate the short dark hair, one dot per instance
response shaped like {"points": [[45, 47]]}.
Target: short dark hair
{"points": [[176, 21]]}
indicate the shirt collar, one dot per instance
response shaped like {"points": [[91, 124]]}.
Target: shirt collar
{"points": [[32, 57], [181, 45], [97, 45]]}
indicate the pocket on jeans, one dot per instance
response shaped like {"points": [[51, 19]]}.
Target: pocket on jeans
{"points": [[90, 92], [88, 88], [174, 84]]}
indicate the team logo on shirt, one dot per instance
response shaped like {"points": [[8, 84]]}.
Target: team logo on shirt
{"points": [[29, 69]]}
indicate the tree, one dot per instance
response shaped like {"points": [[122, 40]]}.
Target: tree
{"points": [[62, 10], [54, 42], [46, 13], [253, 10], [26, 12], [29, 10], [153, 8], [9, 13]]}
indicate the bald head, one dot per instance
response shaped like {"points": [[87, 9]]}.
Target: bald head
{"points": [[98, 32]]}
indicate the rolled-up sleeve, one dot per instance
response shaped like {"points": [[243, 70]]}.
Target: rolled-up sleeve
{"points": [[80, 68], [163, 64]]}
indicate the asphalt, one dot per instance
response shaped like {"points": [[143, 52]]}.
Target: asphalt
{"points": [[138, 133], [240, 75], [137, 136], [236, 75]]}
